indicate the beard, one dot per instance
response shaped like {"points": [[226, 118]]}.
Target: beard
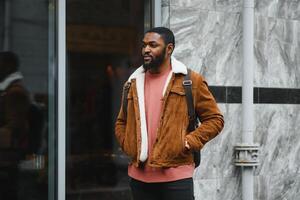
{"points": [[155, 62]]}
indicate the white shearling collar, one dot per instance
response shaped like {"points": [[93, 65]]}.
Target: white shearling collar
{"points": [[177, 68], [8, 80]]}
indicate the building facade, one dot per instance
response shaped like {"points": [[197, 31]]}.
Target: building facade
{"points": [[74, 56], [209, 40]]}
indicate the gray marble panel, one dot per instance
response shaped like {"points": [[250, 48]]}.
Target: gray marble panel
{"points": [[229, 188], [277, 131], [276, 49], [209, 42], [289, 9], [199, 4], [218, 189], [165, 3], [165, 13], [298, 33], [283, 30], [294, 138], [278, 187], [283, 64], [208, 39], [279, 9], [217, 155], [229, 5], [261, 72], [266, 8], [297, 71], [261, 28], [205, 189]]}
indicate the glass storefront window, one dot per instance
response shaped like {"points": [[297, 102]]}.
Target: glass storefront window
{"points": [[103, 49], [27, 100]]}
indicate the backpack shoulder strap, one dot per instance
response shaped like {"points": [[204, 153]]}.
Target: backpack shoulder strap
{"points": [[125, 101], [187, 84]]}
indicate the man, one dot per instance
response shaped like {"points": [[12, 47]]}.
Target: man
{"points": [[14, 103], [14, 110], [154, 131]]}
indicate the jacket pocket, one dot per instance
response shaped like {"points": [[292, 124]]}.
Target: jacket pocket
{"points": [[129, 148], [185, 151], [176, 103], [177, 91], [130, 142], [130, 138]]}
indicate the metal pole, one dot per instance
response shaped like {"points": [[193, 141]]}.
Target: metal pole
{"points": [[61, 99], [247, 94]]}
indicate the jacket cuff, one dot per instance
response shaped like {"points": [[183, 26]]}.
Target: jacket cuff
{"points": [[195, 144]]}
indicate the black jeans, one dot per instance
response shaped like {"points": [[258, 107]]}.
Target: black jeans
{"points": [[174, 190]]}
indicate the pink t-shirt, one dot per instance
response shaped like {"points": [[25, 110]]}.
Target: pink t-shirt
{"points": [[154, 85]]}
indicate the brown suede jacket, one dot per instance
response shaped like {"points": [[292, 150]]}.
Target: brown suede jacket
{"points": [[14, 109], [169, 149]]}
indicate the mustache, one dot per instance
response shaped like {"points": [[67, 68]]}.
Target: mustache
{"points": [[147, 55]]}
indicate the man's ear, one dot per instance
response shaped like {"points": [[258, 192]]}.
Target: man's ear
{"points": [[170, 49]]}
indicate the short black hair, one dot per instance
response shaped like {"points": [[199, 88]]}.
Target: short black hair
{"points": [[9, 59], [165, 33], [9, 62]]}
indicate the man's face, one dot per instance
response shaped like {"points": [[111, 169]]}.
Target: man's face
{"points": [[153, 51]]}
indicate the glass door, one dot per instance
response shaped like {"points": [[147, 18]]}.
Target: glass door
{"points": [[27, 100], [103, 49]]}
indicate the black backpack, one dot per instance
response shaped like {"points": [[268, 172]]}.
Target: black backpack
{"points": [[36, 136], [193, 118]]}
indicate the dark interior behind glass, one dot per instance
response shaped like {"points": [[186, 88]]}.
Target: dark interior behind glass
{"points": [[103, 49]]}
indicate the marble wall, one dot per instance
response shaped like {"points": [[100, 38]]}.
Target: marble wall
{"points": [[209, 40]]}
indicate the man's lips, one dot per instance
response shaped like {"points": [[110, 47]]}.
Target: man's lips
{"points": [[147, 58]]}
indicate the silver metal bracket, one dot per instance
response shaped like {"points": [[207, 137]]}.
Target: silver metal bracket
{"points": [[246, 155]]}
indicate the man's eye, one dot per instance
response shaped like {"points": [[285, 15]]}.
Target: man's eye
{"points": [[153, 45]]}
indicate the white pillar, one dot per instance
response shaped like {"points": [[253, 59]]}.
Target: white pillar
{"points": [[61, 112], [247, 93]]}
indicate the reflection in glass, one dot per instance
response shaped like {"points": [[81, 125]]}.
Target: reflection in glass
{"points": [[24, 100], [103, 48]]}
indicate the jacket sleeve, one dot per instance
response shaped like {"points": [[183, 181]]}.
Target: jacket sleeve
{"points": [[211, 119], [120, 125]]}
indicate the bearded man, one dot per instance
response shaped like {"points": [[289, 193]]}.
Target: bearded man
{"points": [[153, 128]]}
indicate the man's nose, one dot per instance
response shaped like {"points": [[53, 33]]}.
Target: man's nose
{"points": [[147, 49]]}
